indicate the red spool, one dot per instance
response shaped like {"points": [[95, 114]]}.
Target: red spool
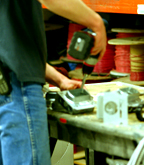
{"points": [[122, 53]]}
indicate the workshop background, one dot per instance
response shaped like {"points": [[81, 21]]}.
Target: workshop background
{"points": [[124, 18]]}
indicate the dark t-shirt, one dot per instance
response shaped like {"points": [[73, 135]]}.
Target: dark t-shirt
{"points": [[22, 39]]}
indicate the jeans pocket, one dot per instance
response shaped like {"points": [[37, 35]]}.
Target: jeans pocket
{"points": [[4, 99]]}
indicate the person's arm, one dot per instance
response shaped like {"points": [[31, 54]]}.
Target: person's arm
{"points": [[79, 12], [57, 79]]}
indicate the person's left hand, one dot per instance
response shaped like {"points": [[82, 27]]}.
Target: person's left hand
{"points": [[68, 84], [59, 80]]}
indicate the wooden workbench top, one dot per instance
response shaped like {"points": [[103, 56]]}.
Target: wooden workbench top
{"points": [[96, 88], [88, 131]]}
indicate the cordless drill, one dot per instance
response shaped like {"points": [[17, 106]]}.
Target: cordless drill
{"points": [[80, 48]]}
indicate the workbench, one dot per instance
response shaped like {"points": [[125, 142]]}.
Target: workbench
{"points": [[88, 131]]}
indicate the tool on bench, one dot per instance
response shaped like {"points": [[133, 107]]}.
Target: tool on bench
{"points": [[5, 87], [80, 48]]}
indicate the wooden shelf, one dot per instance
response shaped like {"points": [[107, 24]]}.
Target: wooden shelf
{"points": [[116, 6]]}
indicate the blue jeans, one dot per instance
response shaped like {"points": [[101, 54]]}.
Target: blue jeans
{"points": [[23, 125]]}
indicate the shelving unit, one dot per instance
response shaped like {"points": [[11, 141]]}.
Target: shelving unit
{"points": [[116, 6]]}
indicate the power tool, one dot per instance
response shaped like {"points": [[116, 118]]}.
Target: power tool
{"points": [[77, 101], [5, 86], [80, 47]]}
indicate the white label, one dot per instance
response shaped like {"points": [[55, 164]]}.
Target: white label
{"points": [[140, 9]]}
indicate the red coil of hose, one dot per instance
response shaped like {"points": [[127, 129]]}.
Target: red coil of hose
{"points": [[122, 58]]}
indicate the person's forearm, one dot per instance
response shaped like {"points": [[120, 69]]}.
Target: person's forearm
{"points": [[53, 76], [79, 12], [76, 11], [56, 78]]}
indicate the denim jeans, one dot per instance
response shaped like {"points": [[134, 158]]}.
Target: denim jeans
{"points": [[23, 125]]}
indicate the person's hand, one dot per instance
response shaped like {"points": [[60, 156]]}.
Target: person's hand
{"points": [[55, 78], [100, 40], [67, 84]]}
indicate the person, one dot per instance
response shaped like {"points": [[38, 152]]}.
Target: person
{"points": [[24, 138]]}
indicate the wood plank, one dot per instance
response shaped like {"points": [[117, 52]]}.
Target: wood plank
{"points": [[127, 80], [80, 162], [65, 59], [79, 155], [77, 74], [127, 30], [127, 41]]}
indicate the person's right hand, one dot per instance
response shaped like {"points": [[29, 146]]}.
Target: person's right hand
{"points": [[100, 39]]}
